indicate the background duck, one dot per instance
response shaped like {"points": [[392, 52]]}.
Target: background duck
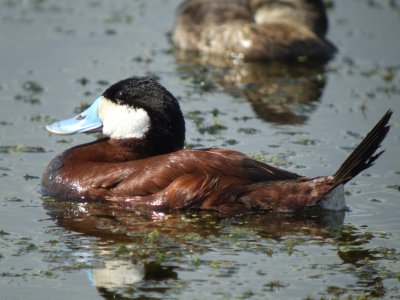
{"points": [[254, 29], [141, 162]]}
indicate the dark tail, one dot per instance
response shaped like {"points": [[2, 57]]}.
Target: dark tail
{"points": [[364, 155]]}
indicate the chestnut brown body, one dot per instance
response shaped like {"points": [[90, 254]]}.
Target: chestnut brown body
{"points": [[211, 179]]}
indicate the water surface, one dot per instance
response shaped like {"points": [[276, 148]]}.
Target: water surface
{"points": [[56, 57]]}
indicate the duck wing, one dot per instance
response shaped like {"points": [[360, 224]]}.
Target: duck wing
{"points": [[207, 179]]}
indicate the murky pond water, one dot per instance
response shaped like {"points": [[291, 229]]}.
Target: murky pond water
{"points": [[58, 56]]}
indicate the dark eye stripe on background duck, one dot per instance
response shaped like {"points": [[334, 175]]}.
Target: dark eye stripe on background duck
{"points": [[254, 29], [141, 163]]}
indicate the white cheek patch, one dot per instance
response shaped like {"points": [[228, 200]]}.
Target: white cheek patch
{"points": [[122, 121]]}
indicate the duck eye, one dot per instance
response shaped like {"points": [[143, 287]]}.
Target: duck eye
{"points": [[119, 97]]}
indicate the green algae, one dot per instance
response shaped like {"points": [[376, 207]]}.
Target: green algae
{"points": [[32, 87], [30, 92], [215, 127], [275, 285], [278, 159], [21, 149]]}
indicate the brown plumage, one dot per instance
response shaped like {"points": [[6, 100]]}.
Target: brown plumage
{"points": [[254, 29], [146, 176]]}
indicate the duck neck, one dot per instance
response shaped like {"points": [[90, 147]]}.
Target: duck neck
{"points": [[128, 149], [116, 150]]}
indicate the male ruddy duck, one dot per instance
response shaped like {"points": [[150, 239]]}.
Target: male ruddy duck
{"points": [[142, 163], [254, 29]]}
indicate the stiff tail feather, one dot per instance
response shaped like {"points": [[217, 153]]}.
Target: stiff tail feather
{"points": [[364, 155]]}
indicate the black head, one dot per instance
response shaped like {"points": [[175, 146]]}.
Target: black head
{"points": [[167, 128]]}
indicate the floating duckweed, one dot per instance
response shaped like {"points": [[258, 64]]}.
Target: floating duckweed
{"points": [[231, 142], [335, 290], [40, 119], [198, 119], [215, 112], [30, 177], [31, 247], [244, 118], [32, 87], [4, 123], [160, 256], [47, 273], [379, 289], [214, 265], [206, 86], [248, 130], [30, 91], [354, 254], [119, 17], [103, 82], [370, 72], [306, 142], [269, 251], [63, 141], [351, 236], [261, 273], [22, 149], [154, 235], [275, 285], [191, 237], [394, 186], [75, 266], [390, 74], [289, 245], [53, 242], [110, 31], [142, 59], [215, 128], [27, 99], [246, 294], [279, 160], [3, 233], [83, 106], [197, 261], [155, 271], [83, 81], [122, 250]]}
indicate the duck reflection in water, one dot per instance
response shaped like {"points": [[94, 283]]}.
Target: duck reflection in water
{"points": [[117, 228], [113, 222], [270, 52], [279, 93]]}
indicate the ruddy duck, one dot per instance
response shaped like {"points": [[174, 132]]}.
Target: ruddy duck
{"points": [[142, 164], [254, 29]]}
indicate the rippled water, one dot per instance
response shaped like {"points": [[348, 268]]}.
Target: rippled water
{"points": [[58, 56]]}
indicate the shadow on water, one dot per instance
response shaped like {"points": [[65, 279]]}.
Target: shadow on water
{"points": [[279, 92]]}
